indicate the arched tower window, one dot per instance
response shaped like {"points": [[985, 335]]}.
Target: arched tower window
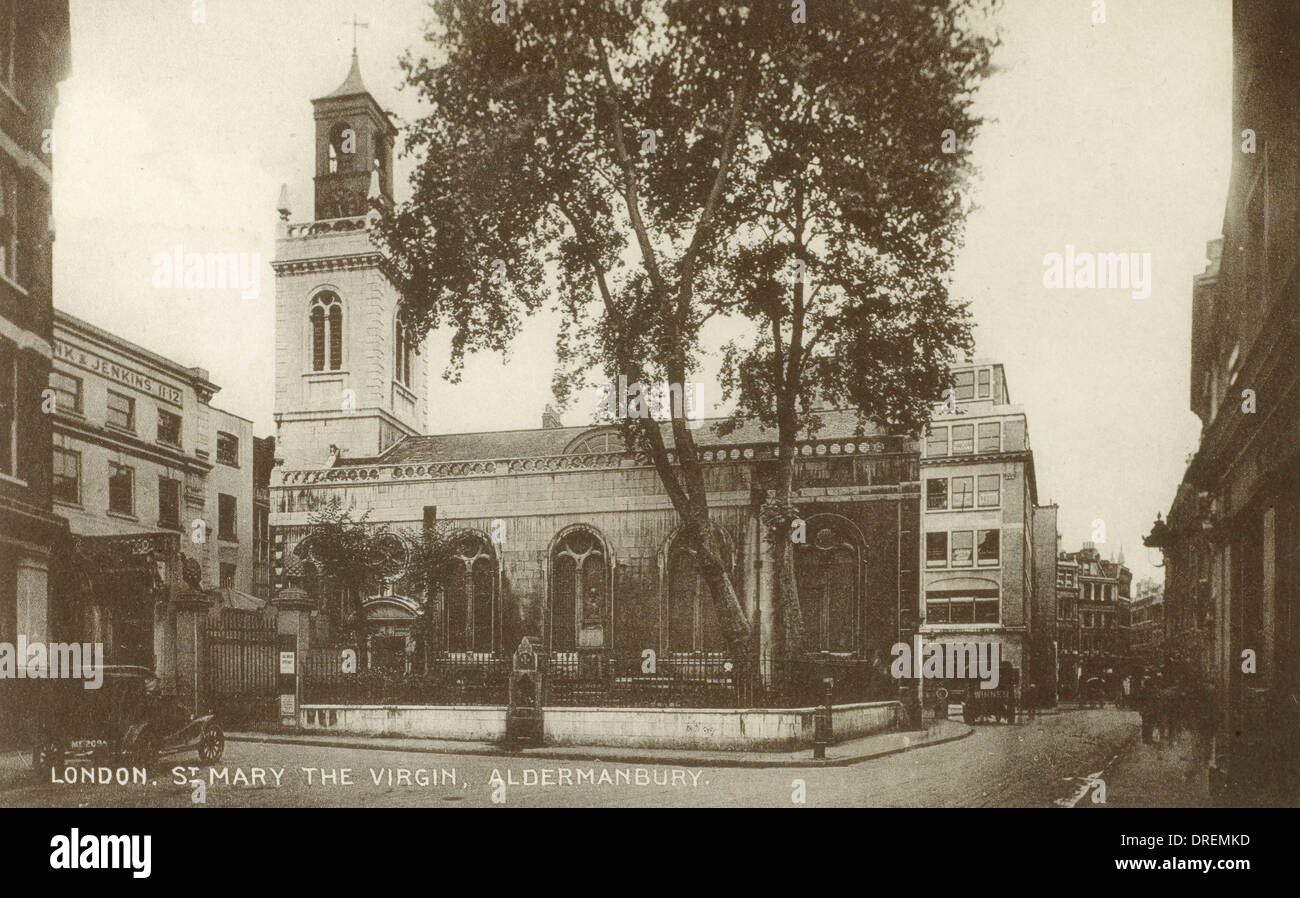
{"points": [[692, 619], [827, 568], [469, 596], [403, 350], [326, 332], [342, 148], [580, 568]]}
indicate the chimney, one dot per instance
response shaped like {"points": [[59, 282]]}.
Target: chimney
{"points": [[550, 418]]}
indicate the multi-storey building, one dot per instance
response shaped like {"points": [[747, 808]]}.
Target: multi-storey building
{"points": [[1142, 626], [1067, 626], [977, 522], [139, 451], [1102, 584], [34, 58], [1232, 541]]}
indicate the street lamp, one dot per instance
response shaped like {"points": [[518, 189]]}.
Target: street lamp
{"points": [[1157, 541]]}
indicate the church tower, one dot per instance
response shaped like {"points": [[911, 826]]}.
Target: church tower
{"points": [[349, 381]]}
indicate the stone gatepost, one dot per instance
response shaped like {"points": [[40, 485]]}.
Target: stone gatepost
{"points": [[293, 609], [191, 647]]}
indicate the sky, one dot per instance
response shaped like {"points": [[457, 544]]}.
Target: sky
{"points": [[1110, 137]]}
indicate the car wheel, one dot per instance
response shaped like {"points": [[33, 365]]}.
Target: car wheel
{"points": [[212, 742]]}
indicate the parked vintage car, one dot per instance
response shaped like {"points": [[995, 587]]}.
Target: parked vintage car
{"points": [[125, 720]]}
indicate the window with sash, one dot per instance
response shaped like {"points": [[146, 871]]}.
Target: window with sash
{"points": [[169, 502], [121, 411], [66, 485], [67, 392]]}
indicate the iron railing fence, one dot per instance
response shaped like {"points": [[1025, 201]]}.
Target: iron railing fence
{"points": [[675, 680], [450, 679]]}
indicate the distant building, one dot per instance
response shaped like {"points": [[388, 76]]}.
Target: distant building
{"points": [[1067, 626], [139, 451], [1142, 626], [1102, 584]]}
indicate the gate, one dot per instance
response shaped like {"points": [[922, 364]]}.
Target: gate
{"points": [[242, 668]]}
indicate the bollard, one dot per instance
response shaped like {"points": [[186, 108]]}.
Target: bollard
{"points": [[822, 723]]}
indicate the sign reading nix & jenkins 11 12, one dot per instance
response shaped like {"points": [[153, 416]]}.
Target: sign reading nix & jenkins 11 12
{"points": [[82, 358]]}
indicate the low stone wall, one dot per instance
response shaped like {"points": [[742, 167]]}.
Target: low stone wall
{"points": [[465, 723], [684, 728]]}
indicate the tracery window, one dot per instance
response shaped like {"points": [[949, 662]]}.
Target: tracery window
{"points": [[403, 350], [326, 332], [580, 568], [469, 597]]}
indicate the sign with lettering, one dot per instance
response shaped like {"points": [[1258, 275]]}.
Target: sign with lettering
{"points": [[75, 355]]}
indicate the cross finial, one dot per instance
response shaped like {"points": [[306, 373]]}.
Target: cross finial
{"points": [[355, 25]]}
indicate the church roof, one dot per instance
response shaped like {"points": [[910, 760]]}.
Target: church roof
{"points": [[541, 442], [352, 84]]}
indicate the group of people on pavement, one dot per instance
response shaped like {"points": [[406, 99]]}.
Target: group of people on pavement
{"points": [[1171, 707]]}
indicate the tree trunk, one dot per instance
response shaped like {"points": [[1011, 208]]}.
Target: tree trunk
{"points": [[691, 503], [787, 599]]}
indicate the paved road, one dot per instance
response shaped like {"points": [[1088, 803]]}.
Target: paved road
{"points": [[1044, 762]]}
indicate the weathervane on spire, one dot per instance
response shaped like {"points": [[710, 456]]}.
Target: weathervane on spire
{"points": [[355, 25]]}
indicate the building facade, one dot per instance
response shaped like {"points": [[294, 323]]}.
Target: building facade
{"points": [[140, 451], [34, 58], [977, 523], [1102, 585], [1232, 540], [1142, 626], [1069, 666]]}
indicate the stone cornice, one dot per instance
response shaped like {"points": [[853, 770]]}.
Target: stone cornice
{"points": [[354, 262]]}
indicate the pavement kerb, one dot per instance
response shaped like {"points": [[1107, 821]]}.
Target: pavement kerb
{"points": [[619, 756]]}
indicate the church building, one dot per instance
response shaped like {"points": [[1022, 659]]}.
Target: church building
{"points": [[564, 535]]}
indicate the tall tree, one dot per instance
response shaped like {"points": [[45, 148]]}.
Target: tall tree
{"points": [[613, 154]]}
